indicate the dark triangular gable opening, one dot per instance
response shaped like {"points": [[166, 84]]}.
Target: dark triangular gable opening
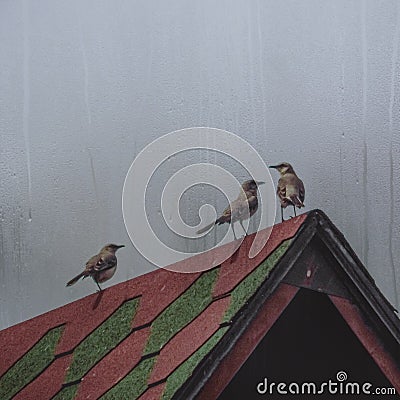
{"points": [[310, 342]]}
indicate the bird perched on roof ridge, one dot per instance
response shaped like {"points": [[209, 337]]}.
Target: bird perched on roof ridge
{"points": [[100, 267], [245, 205], [290, 187]]}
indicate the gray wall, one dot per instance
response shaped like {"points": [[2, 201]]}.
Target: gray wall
{"points": [[85, 85]]}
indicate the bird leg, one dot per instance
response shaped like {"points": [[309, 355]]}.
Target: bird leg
{"points": [[241, 224], [294, 209], [97, 283], [233, 230], [282, 213]]}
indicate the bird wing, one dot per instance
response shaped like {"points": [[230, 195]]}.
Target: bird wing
{"points": [[281, 190], [232, 212], [240, 209], [228, 210], [295, 190], [252, 204], [243, 207], [106, 261], [91, 264], [302, 191], [226, 215]]}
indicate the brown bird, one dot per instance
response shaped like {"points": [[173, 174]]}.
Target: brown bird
{"points": [[100, 267], [240, 209], [290, 187]]}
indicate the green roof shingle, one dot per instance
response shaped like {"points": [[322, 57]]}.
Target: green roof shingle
{"points": [[182, 311], [104, 338], [30, 365]]}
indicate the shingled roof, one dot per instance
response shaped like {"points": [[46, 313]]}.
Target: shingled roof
{"points": [[167, 335]]}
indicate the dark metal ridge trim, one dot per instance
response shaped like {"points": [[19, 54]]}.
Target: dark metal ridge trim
{"points": [[191, 388], [358, 275]]}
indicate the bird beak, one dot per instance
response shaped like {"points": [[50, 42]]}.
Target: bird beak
{"points": [[273, 166], [260, 183], [122, 245]]}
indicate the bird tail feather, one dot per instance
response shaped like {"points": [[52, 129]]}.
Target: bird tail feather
{"points": [[76, 279], [206, 228], [296, 201]]}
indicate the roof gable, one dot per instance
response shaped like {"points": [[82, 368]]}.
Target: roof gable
{"points": [[320, 259]]}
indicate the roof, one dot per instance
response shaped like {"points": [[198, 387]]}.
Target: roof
{"points": [[168, 335]]}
